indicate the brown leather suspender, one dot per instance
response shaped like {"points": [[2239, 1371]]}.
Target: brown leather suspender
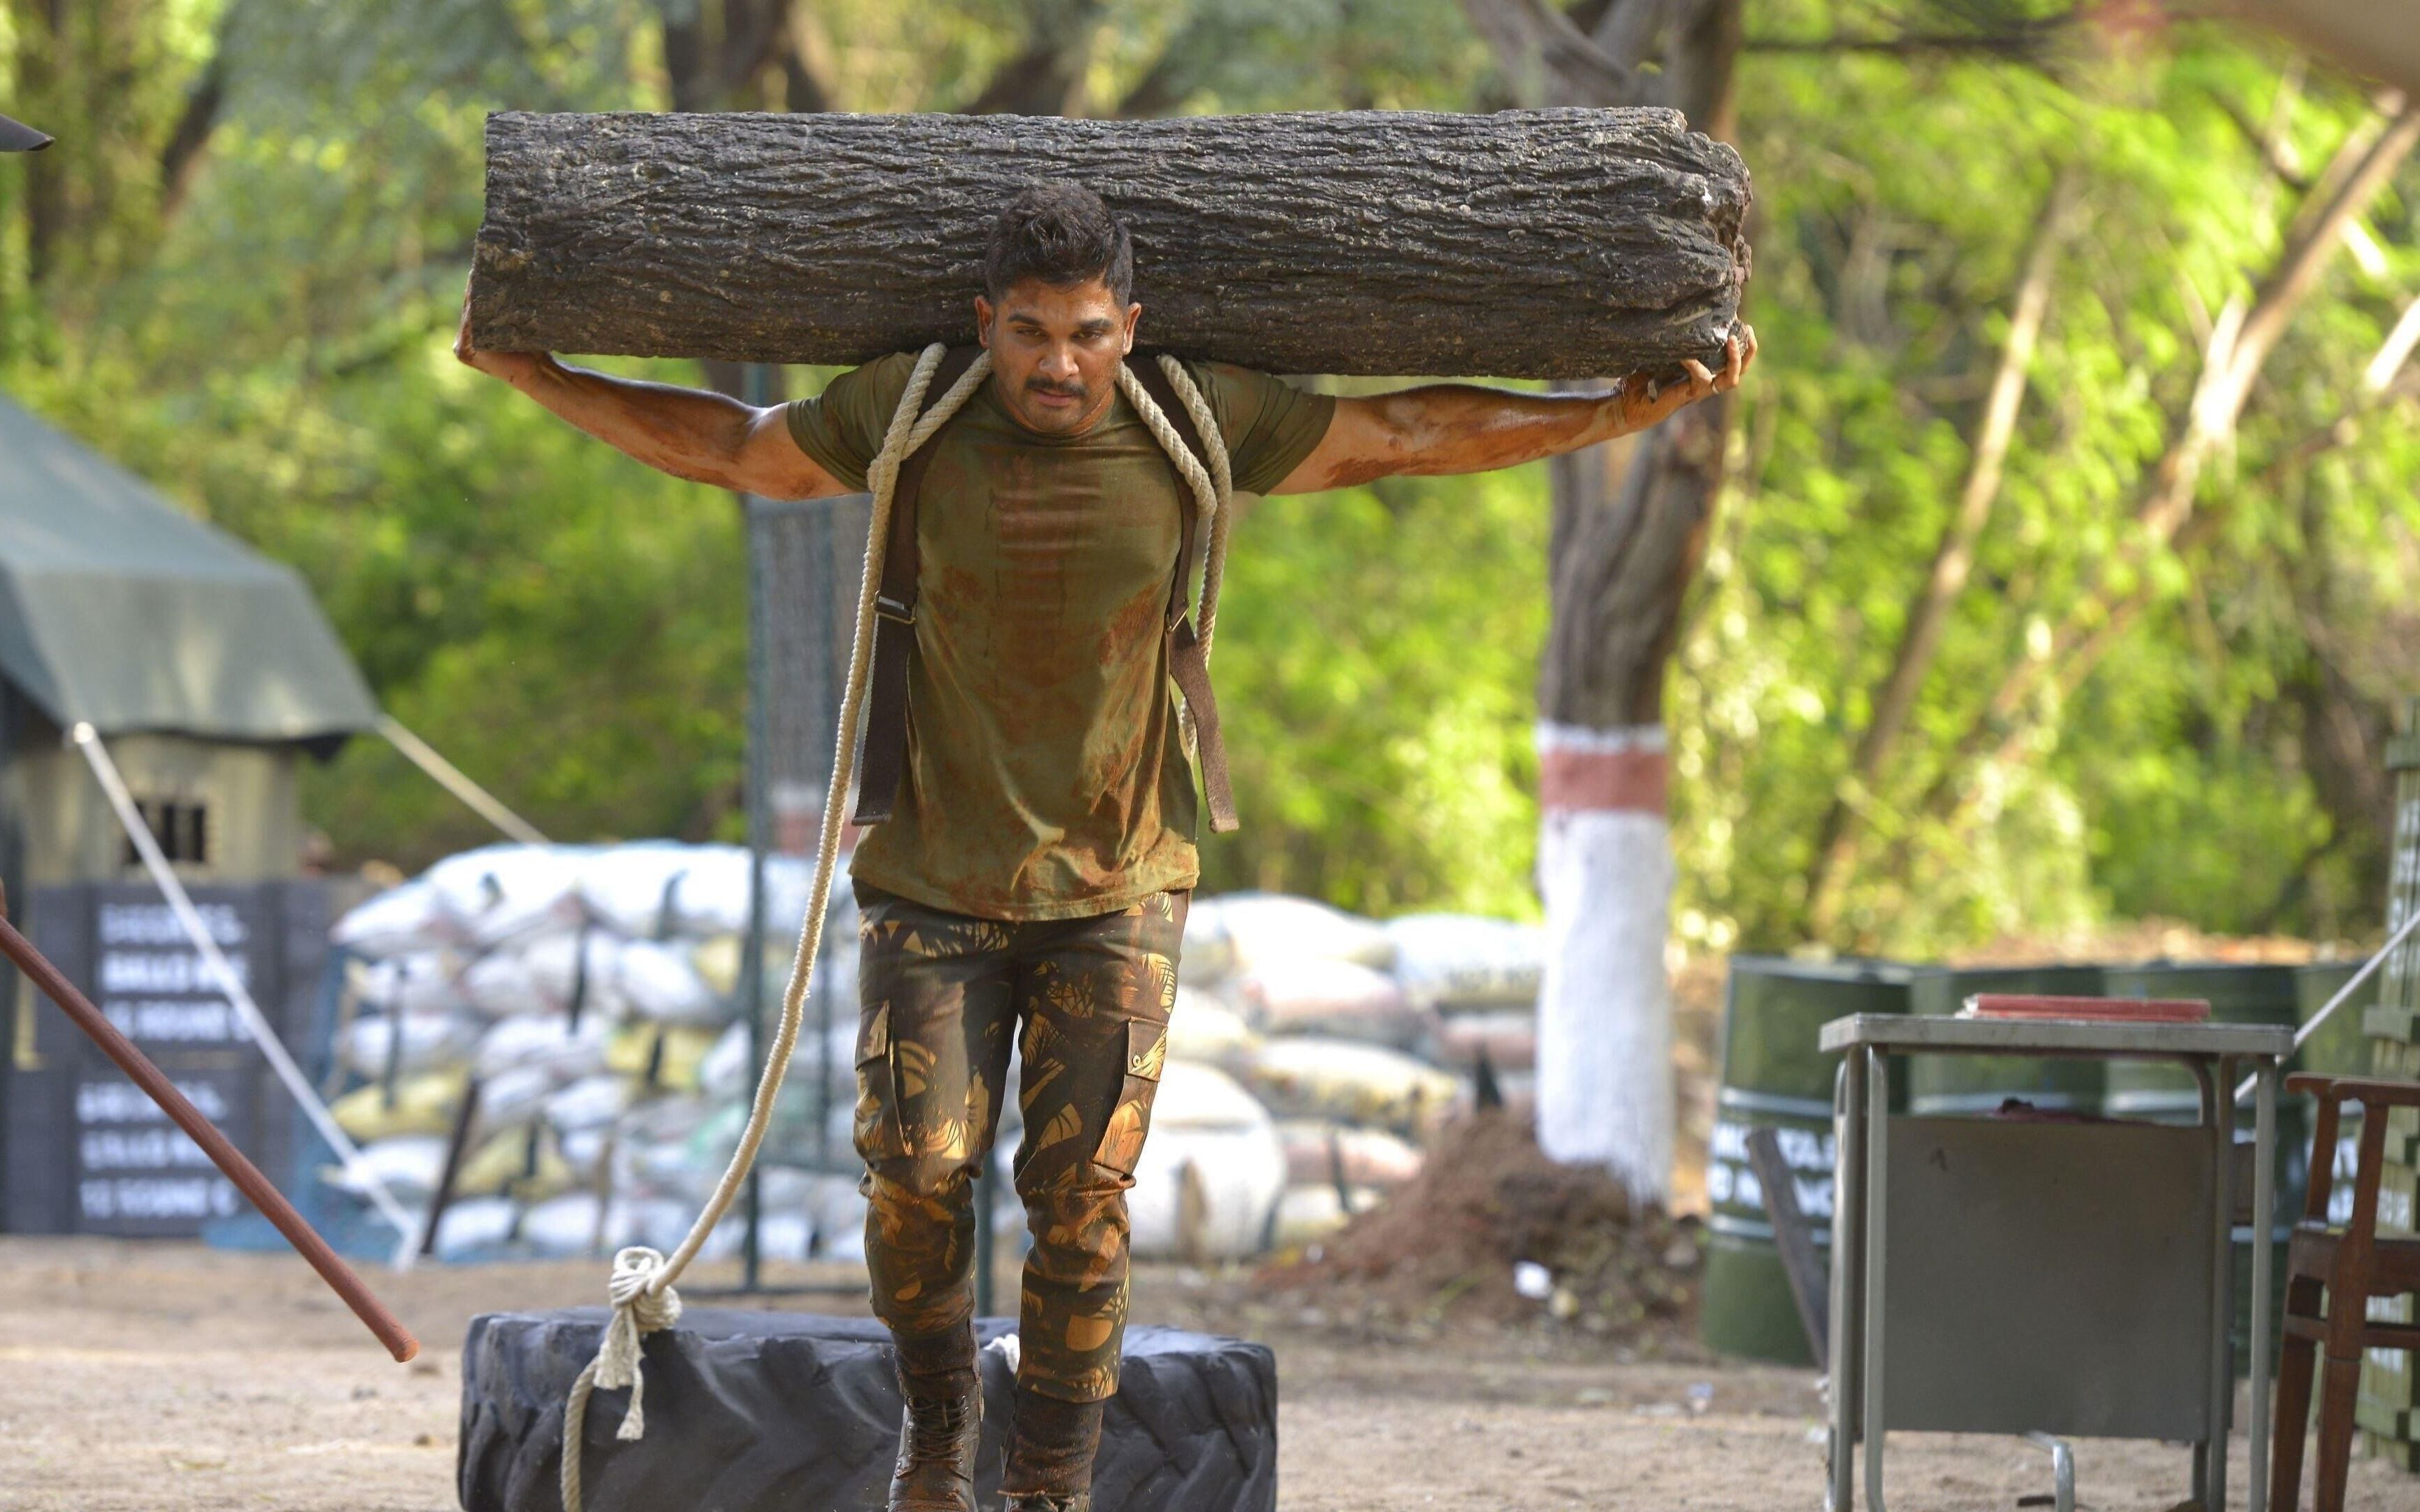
{"points": [[885, 756], [894, 624], [1189, 660]]}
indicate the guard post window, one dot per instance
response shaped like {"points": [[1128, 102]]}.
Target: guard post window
{"points": [[182, 825]]}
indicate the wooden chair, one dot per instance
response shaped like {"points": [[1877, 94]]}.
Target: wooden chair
{"points": [[2347, 1268]]}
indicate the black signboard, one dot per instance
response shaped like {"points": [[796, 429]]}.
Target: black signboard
{"points": [[86, 1153]]}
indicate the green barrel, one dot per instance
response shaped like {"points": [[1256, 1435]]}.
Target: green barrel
{"points": [[1773, 1076], [1958, 1086], [2237, 993]]}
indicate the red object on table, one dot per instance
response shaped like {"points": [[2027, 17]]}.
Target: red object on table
{"points": [[2088, 1010]]}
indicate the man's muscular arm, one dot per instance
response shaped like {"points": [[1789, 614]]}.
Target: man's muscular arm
{"points": [[690, 433], [1458, 427]]}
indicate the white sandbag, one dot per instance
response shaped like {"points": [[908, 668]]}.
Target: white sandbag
{"points": [[429, 1041], [584, 1150], [1339, 998], [588, 1103], [1266, 928], [836, 1211], [400, 920], [579, 968], [659, 1223], [1208, 955], [659, 984], [1202, 1029], [1316, 1151], [1508, 1036], [1210, 1172], [1466, 958], [476, 1225], [515, 1096], [727, 1071], [417, 981], [644, 891], [565, 1225], [407, 1166], [1307, 1077], [785, 1236], [503, 892], [550, 1041], [1306, 1215]]}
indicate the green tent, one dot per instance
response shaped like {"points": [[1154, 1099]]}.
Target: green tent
{"points": [[206, 667], [119, 609]]}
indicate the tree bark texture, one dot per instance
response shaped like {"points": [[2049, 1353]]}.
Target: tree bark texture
{"points": [[1543, 243]]}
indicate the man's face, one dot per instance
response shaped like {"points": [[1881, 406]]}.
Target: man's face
{"points": [[1055, 351]]}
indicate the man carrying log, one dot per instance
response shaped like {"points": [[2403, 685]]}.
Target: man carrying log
{"points": [[1033, 872]]}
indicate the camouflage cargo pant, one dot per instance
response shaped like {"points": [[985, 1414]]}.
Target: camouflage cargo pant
{"points": [[941, 995]]}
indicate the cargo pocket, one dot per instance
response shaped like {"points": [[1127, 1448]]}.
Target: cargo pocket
{"points": [[1146, 1051], [876, 1129]]}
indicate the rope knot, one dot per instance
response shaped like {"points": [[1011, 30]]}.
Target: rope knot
{"points": [[641, 1305]]}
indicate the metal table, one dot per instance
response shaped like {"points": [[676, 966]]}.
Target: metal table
{"points": [[2045, 1276]]}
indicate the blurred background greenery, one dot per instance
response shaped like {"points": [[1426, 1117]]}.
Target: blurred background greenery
{"points": [[239, 273]]}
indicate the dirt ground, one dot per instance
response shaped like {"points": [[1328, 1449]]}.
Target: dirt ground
{"points": [[148, 1377]]}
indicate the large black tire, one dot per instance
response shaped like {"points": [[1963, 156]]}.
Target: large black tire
{"points": [[798, 1413]]}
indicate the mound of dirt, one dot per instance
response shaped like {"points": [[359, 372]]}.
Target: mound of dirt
{"points": [[1446, 1247]]}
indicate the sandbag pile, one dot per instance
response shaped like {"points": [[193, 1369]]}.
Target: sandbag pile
{"points": [[591, 996], [1352, 1041], [588, 999]]}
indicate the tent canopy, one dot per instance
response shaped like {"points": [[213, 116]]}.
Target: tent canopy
{"points": [[118, 610]]}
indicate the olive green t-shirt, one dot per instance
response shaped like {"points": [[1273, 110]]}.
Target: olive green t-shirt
{"points": [[1045, 773]]}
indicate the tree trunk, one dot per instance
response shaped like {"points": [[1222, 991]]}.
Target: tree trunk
{"points": [[1531, 244], [1624, 554]]}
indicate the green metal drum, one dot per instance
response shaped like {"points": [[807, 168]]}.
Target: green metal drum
{"points": [[1961, 1085], [1773, 1076]]}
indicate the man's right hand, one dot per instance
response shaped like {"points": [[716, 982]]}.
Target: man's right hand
{"points": [[510, 367], [690, 433]]}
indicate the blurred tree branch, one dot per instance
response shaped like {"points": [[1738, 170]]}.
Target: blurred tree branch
{"points": [[1953, 559], [2121, 589]]}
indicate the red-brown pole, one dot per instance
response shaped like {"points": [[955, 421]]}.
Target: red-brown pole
{"points": [[241, 1171]]}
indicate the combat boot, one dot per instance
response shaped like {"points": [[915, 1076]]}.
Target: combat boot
{"points": [[942, 1427], [1051, 1455]]}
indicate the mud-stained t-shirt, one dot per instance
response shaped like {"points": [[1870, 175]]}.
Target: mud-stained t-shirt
{"points": [[1045, 775]]}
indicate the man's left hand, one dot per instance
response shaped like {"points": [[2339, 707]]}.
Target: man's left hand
{"points": [[1643, 401]]}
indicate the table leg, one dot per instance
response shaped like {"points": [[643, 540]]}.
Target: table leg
{"points": [[1848, 1217], [2209, 1479], [2264, 1199], [1876, 1245]]}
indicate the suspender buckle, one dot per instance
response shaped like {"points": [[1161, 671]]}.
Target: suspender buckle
{"points": [[890, 609]]}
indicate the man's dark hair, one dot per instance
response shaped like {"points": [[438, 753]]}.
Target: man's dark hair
{"points": [[1060, 232]]}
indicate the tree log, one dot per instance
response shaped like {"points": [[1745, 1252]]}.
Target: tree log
{"points": [[1538, 243]]}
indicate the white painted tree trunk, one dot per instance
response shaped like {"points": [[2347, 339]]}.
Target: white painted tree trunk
{"points": [[1605, 1012]]}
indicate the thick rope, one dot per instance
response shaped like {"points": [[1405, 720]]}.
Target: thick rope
{"points": [[641, 1286], [1211, 487]]}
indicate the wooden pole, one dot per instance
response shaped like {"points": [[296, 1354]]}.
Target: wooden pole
{"points": [[222, 1153]]}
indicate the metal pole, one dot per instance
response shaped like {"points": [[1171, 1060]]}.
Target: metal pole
{"points": [[756, 383]]}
